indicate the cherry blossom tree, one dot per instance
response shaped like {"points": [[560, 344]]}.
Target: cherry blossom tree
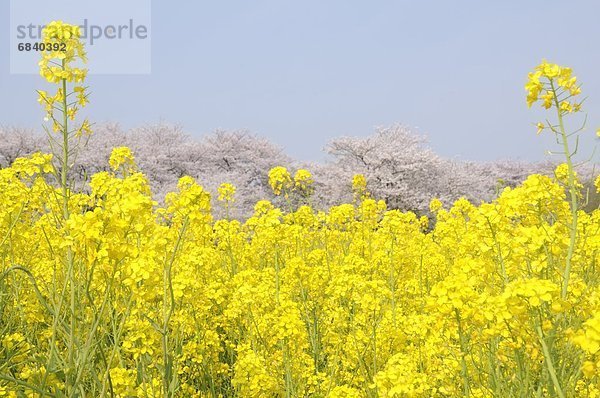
{"points": [[17, 142], [399, 165]]}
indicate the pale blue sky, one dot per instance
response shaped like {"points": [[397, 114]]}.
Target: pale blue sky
{"points": [[301, 72]]}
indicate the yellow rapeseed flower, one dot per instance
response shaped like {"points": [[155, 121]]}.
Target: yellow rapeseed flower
{"points": [[280, 180], [226, 192]]}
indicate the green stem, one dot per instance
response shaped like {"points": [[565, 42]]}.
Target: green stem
{"points": [[71, 371], [65, 147], [464, 370], [549, 364], [572, 193], [168, 310]]}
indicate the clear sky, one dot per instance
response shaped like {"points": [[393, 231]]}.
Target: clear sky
{"points": [[301, 72]]}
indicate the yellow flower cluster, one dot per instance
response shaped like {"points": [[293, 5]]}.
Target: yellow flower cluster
{"points": [[359, 186], [303, 181], [226, 192], [60, 65], [56, 63], [280, 180], [360, 301], [122, 158], [283, 184], [554, 85]]}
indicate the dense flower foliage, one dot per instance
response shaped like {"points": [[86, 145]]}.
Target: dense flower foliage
{"points": [[360, 301]]}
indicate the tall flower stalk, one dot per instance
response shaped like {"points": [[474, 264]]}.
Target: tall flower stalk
{"points": [[556, 87], [59, 65]]}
